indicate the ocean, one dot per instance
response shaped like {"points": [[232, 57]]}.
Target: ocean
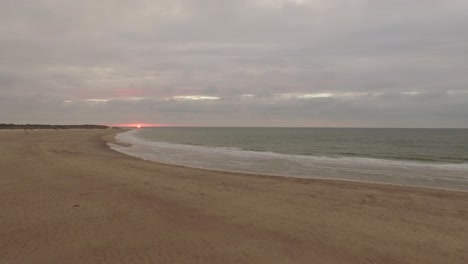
{"points": [[435, 158]]}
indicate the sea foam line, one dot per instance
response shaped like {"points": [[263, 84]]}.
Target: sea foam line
{"points": [[406, 173], [132, 138]]}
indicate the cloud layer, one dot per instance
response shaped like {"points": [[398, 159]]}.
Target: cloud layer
{"points": [[235, 63]]}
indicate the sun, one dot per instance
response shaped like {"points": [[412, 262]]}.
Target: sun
{"points": [[138, 126]]}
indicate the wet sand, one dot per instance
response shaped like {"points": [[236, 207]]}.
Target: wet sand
{"points": [[65, 197]]}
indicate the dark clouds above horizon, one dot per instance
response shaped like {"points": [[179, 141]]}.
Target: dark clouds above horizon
{"points": [[235, 63]]}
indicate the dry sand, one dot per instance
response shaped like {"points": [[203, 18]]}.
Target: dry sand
{"points": [[65, 197]]}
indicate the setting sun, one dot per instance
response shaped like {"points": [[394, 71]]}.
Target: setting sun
{"points": [[138, 126]]}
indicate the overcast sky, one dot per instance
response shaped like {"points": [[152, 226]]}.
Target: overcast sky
{"points": [[364, 63]]}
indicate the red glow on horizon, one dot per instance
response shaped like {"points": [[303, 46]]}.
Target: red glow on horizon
{"points": [[143, 125], [129, 92]]}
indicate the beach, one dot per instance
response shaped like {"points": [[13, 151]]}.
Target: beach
{"points": [[66, 197]]}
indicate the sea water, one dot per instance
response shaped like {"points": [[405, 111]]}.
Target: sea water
{"points": [[436, 158]]}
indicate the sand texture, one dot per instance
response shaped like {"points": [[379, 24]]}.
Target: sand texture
{"points": [[65, 197]]}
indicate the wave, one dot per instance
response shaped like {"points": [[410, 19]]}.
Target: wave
{"points": [[439, 175], [132, 138]]}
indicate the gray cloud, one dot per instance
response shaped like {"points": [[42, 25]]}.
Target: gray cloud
{"points": [[258, 62]]}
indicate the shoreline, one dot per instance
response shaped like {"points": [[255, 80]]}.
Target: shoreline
{"points": [[67, 197], [119, 143], [286, 177]]}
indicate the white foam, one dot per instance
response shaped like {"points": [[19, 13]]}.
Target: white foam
{"points": [[447, 176]]}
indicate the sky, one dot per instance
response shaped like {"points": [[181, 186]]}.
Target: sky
{"points": [[281, 63]]}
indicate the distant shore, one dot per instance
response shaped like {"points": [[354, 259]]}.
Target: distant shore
{"points": [[67, 198], [40, 126]]}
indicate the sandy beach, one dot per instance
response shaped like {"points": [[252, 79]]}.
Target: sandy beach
{"points": [[65, 197]]}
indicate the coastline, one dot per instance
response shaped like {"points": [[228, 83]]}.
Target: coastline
{"points": [[132, 210], [121, 145]]}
